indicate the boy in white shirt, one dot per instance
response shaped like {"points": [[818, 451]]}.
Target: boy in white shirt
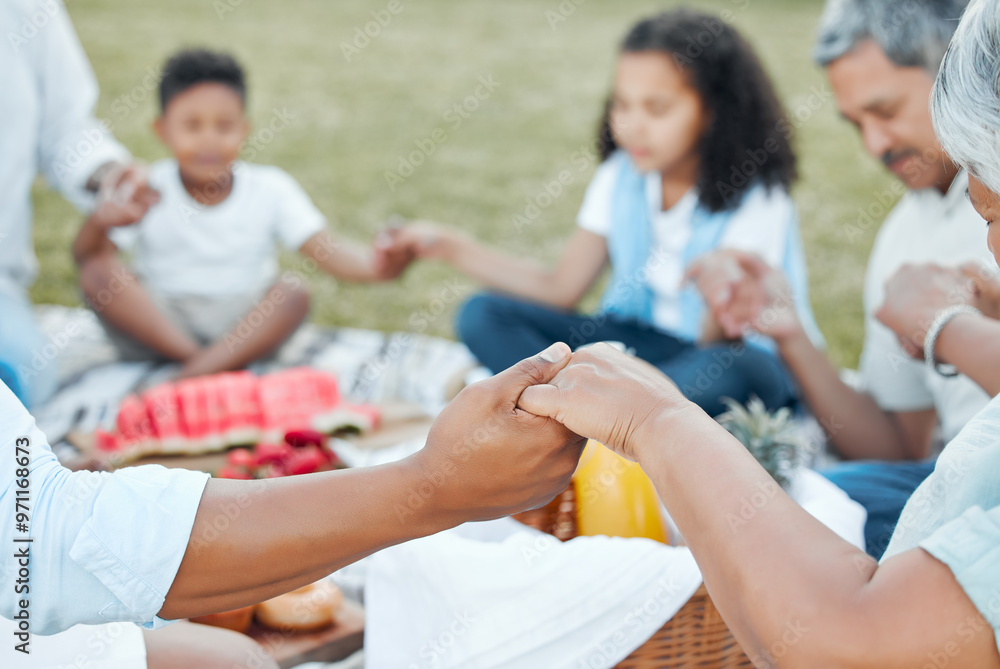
{"points": [[204, 288]]}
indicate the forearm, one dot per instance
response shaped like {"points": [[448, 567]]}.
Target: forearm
{"points": [[770, 567], [855, 424], [91, 240], [523, 277], [972, 344], [340, 258], [284, 533]]}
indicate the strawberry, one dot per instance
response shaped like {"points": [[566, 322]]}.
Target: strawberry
{"points": [[300, 438], [266, 454], [305, 460], [241, 457]]}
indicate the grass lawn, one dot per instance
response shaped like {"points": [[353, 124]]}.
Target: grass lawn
{"points": [[340, 120]]}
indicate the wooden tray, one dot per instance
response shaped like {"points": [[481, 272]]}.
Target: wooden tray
{"points": [[334, 643]]}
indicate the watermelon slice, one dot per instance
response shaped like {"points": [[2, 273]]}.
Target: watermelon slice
{"points": [[235, 408], [164, 415], [240, 405]]}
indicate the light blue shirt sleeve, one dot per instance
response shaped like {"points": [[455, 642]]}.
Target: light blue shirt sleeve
{"points": [[103, 546], [970, 546]]}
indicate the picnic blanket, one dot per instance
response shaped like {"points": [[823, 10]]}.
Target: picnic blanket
{"points": [[371, 367]]}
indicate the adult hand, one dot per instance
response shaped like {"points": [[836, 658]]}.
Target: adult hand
{"points": [[985, 288], [913, 297], [609, 396], [743, 292], [487, 458], [123, 197]]}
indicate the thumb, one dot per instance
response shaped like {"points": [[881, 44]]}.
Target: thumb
{"points": [[537, 369], [543, 400]]}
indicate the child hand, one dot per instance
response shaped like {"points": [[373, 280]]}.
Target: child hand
{"points": [[391, 258], [427, 240]]}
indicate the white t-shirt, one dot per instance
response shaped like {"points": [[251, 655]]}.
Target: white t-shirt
{"points": [[183, 247], [924, 227], [759, 225]]}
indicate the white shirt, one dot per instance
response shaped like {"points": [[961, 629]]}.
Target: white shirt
{"points": [[760, 225], [46, 124], [955, 513], [924, 227], [183, 247], [103, 547]]}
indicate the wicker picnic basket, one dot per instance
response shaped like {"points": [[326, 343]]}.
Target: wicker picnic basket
{"points": [[695, 637]]}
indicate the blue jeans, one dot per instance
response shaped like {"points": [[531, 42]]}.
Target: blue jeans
{"points": [[882, 487], [25, 366], [501, 331]]}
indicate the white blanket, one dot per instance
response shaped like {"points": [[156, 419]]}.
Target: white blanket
{"points": [[495, 595]]}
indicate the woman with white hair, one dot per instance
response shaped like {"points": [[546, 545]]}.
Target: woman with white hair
{"points": [[794, 593]]}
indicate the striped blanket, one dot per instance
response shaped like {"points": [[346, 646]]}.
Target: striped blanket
{"points": [[371, 367]]}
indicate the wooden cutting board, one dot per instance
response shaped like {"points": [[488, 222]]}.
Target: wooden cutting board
{"points": [[329, 645]]}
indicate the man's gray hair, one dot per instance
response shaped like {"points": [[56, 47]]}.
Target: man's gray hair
{"points": [[911, 33], [965, 101]]}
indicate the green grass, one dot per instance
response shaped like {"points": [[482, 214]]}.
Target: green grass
{"points": [[354, 120]]}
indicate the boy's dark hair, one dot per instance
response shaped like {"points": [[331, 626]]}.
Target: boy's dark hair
{"points": [[191, 67], [748, 139]]}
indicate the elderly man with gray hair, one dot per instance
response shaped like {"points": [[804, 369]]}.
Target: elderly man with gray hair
{"points": [[881, 58]]}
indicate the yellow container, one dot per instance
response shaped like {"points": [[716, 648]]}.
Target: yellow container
{"points": [[614, 497]]}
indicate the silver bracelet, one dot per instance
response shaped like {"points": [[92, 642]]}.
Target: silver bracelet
{"points": [[930, 341]]}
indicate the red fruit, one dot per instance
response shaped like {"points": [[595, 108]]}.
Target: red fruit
{"points": [[229, 472], [305, 460], [300, 438], [241, 457], [106, 441], [267, 454]]}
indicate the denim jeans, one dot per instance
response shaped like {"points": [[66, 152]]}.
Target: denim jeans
{"points": [[501, 330], [882, 487]]}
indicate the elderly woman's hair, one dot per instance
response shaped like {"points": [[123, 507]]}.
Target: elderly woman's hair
{"points": [[911, 33], [965, 102]]}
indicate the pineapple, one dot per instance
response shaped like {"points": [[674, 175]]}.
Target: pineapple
{"points": [[772, 439]]}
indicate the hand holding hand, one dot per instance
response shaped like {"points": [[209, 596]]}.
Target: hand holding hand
{"points": [[985, 288], [743, 292], [915, 294], [427, 240], [609, 396], [391, 258], [487, 458], [123, 197]]}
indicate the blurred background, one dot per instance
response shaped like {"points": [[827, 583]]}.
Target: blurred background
{"points": [[378, 114]]}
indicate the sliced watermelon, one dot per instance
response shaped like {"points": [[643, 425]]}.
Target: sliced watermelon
{"points": [[135, 431], [164, 416], [241, 406]]}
